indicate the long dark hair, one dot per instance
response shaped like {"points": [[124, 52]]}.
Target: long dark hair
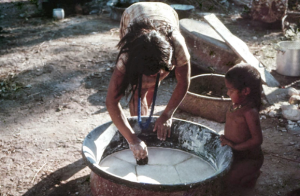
{"points": [[148, 50], [244, 75]]}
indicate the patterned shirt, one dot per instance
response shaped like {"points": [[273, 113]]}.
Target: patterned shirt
{"points": [[155, 11]]}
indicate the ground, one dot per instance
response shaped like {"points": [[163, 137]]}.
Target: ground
{"points": [[54, 77]]}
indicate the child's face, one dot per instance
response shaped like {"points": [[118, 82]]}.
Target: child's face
{"points": [[236, 96]]}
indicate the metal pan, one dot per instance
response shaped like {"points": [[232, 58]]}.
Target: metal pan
{"points": [[288, 58]]}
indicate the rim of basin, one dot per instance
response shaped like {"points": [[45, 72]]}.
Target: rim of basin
{"points": [[183, 7], [208, 97], [289, 45]]}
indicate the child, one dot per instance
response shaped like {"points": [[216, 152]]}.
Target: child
{"points": [[242, 128]]}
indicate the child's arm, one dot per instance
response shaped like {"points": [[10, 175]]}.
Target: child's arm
{"points": [[252, 119]]}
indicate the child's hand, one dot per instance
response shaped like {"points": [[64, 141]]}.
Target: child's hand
{"points": [[225, 141]]}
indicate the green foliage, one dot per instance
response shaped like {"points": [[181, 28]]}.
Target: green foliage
{"points": [[246, 9], [200, 4], [292, 33], [211, 7], [19, 5], [123, 3], [35, 2], [8, 86]]}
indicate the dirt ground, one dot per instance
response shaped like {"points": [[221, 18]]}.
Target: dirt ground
{"points": [[53, 81]]}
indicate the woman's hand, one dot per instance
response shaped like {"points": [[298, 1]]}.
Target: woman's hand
{"points": [[226, 142], [164, 122], [139, 149], [163, 127], [137, 146]]}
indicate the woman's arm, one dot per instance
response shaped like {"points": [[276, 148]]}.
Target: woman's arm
{"points": [[164, 122], [118, 117]]}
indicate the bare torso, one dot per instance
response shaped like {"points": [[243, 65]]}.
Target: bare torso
{"points": [[237, 129], [148, 86]]}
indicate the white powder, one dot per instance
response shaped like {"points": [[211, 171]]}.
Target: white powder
{"points": [[165, 166]]}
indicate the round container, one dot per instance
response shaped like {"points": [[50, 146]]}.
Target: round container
{"points": [[207, 97], [117, 8], [288, 58], [186, 136], [183, 10], [58, 13]]}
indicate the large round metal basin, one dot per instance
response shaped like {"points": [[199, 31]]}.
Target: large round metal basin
{"points": [[207, 97], [186, 136]]}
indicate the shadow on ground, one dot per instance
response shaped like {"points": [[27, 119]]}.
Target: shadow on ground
{"points": [[52, 185]]}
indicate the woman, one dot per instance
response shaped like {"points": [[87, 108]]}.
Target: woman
{"points": [[150, 46]]}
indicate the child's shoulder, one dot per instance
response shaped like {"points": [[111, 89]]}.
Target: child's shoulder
{"points": [[251, 111]]}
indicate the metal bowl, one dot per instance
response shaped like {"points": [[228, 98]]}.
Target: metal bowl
{"points": [[193, 138], [117, 8], [183, 10]]}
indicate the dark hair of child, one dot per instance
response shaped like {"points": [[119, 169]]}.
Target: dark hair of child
{"points": [[148, 49], [244, 75]]}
